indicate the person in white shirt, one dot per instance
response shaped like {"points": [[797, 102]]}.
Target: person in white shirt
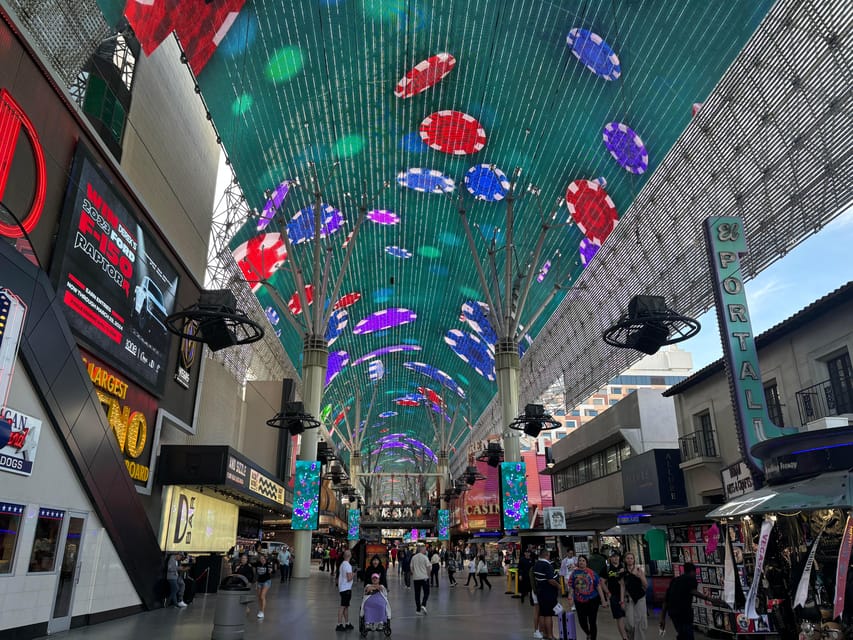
{"points": [[345, 580], [568, 565], [421, 567], [435, 561]]}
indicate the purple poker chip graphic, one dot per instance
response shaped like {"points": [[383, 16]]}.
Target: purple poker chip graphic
{"points": [[300, 229], [398, 252], [436, 374], [588, 249], [337, 361], [273, 204], [473, 351], [626, 147], [594, 53], [383, 216], [486, 182], [396, 348], [385, 319], [426, 180]]}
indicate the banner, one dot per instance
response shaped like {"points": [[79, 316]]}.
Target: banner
{"points": [[843, 566], [730, 579], [19, 441], [761, 552], [802, 592]]}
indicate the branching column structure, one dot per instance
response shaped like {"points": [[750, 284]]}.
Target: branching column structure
{"points": [[507, 301]]}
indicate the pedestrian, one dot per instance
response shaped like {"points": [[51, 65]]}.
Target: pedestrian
{"points": [[635, 582], [394, 552], [524, 567], [244, 569], [614, 589], [451, 570], [435, 561], [286, 559], [172, 578], [406, 567], [567, 566], [325, 563], [597, 562], [534, 599], [678, 603], [587, 594], [472, 572], [547, 593], [483, 572], [333, 563], [421, 568], [264, 572], [345, 589], [376, 567]]}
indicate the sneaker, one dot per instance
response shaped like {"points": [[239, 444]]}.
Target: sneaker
{"points": [[537, 634], [348, 626], [182, 604], [420, 612], [340, 627], [423, 608], [453, 585], [260, 615]]}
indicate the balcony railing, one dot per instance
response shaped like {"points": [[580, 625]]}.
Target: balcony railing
{"points": [[699, 444], [824, 399]]}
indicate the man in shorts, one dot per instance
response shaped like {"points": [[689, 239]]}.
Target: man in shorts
{"points": [[345, 580], [615, 575], [547, 592]]}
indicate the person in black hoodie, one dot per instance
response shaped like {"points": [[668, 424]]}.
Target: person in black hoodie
{"points": [[264, 572], [376, 566]]}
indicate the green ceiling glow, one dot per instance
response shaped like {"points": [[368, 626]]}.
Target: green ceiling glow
{"points": [[284, 64], [429, 252], [349, 146], [242, 104]]}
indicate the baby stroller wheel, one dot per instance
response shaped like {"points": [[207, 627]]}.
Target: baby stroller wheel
{"points": [[362, 628], [387, 628]]}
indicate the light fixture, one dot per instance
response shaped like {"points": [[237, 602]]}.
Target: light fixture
{"points": [[649, 324], [493, 455], [294, 419], [215, 321], [534, 421]]}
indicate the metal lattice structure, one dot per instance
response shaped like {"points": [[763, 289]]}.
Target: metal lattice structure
{"points": [[772, 144]]}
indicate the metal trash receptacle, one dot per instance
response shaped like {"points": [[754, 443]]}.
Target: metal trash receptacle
{"points": [[229, 619]]}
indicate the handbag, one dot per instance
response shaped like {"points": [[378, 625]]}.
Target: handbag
{"points": [[558, 609]]}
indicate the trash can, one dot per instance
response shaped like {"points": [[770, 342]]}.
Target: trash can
{"points": [[229, 619]]}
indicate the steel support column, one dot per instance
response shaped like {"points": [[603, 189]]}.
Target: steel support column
{"points": [[508, 370]]}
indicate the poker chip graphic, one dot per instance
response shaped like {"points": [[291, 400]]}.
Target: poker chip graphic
{"points": [[591, 49], [587, 250], [383, 216], [388, 414], [273, 204], [272, 315], [398, 252], [424, 74], [386, 350], [295, 302], [260, 257], [409, 400], [453, 132], [337, 324], [348, 300], [300, 229], [436, 374], [591, 209], [426, 181], [476, 315], [385, 319], [347, 239], [375, 371], [473, 351], [486, 182], [337, 361], [543, 272], [626, 147], [431, 396]]}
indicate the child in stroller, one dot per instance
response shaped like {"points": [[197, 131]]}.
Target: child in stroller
{"points": [[375, 611]]}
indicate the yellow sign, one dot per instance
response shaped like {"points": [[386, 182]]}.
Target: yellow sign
{"points": [[196, 522], [266, 487]]}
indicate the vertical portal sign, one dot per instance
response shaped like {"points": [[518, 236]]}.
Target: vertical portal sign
{"points": [[514, 507], [724, 236], [444, 524], [353, 524]]}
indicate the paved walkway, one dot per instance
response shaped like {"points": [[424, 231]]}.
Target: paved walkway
{"points": [[307, 609]]}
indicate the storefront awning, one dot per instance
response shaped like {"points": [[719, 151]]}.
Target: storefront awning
{"points": [[821, 492], [630, 529], [508, 539]]}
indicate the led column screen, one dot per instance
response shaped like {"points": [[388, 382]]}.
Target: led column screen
{"points": [[444, 524], [306, 495], [514, 508], [353, 524]]}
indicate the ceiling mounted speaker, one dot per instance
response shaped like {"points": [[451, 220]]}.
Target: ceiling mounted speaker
{"points": [[215, 321], [649, 325]]}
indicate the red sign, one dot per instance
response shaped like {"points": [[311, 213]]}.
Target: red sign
{"points": [[12, 120]]}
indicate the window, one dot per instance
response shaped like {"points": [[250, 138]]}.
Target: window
{"points": [[598, 401], [611, 464], [613, 401], [571, 424], [590, 413], [43, 556], [576, 412], [10, 526], [616, 391], [598, 465], [561, 435], [841, 382], [774, 405]]}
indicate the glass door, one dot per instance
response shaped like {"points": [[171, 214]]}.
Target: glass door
{"points": [[69, 573]]}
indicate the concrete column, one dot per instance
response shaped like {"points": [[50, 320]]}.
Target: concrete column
{"points": [[315, 359], [508, 371]]}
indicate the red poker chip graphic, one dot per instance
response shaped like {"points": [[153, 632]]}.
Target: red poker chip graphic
{"points": [[295, 302], [453, 132], [260, 257], [592, 209], [424, 74], [348, 300]]}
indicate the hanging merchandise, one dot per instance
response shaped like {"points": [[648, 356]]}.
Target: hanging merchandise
{"points": [[802, 592], [713, 539], [841, 569], [732, 588], [763, 541]]}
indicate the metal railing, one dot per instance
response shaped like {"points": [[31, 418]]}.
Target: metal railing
{"points": [[699, 444], [824, 399]]}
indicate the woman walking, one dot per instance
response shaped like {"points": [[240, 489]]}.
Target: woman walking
{"points": [[472, 572], [451, 569], [636, 616], [264, 572], [483, 572], [587, 593]]}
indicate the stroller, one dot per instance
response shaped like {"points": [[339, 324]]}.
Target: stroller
{"points": [[375, 614]]}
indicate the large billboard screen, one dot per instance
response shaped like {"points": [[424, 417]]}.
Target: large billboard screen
{"points": [[116, 282], [196, 522], [353, 524], [444, 524], [306, 496], [514, 507]]}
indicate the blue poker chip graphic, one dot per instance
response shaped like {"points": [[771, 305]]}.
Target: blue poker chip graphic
{"points": [[337, 324], [476, 314], [436, 374], [413, 143], [398, 252], [486, 182], [375, 371], [387, 414], [426, 181], [591, 49], [473, 351], [300, 229]]}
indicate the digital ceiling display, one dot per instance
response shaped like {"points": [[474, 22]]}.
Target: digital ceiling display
{"points": [[113, 277]]}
